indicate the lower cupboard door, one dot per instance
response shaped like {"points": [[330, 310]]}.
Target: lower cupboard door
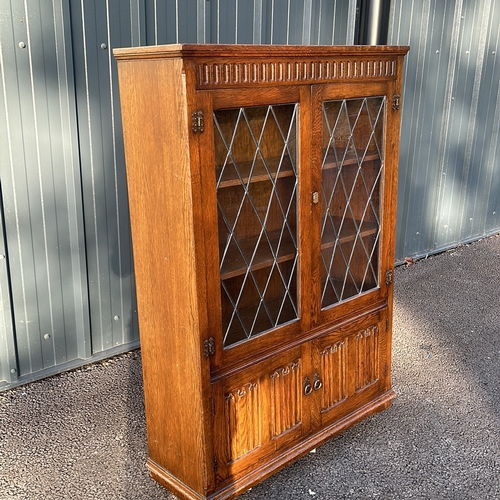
{"points": [[352, 364], [258, 412]]}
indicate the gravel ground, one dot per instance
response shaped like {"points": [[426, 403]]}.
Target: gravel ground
{"points": [[81, 435]]}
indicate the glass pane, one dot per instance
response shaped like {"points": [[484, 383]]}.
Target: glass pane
{"points": [[256, 173], [351, 182]]}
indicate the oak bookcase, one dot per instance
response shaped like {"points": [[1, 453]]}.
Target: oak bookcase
{"points": [[262, 191]]}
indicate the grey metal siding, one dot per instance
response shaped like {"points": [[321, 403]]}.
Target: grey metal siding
{"points": [[449, 163], [97, 27], [66, 275], [41, 191], [175, 21], [67, 289], [249, 21], [8, 362]]}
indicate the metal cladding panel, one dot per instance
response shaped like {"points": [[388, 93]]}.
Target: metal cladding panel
{"points": [[299, 22], [41, 191], [8, 361], [330, 23], [97, 28], [249, 21], [175, 21], [449, 163], [66, 283]]}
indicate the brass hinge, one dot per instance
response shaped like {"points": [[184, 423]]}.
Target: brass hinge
{"points": [[386, 324], [396, 101], [209, 347], [388, 277], [216, 463], [197, 122]]}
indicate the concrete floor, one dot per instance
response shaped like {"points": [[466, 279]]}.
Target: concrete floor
{"points": [[81, 435]]}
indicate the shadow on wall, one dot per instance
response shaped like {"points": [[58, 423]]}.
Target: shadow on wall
{"points": [[63, 184], [97, 28]]}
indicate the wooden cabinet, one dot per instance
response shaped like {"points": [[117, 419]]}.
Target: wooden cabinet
{"points": [[262, 189]]}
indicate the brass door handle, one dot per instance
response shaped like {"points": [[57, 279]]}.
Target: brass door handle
{"points": [[317, 384], [307, 386]]}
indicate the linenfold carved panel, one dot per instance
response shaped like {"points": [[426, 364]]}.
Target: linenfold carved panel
{"points": [[367, 357], [217, 75], [334, 369], [286, 397], [243, 419]]}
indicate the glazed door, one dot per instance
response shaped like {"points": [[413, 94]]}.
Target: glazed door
{"points": [[349, 148], [255, 169]]}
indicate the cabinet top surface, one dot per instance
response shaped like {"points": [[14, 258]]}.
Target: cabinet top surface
{"points": [[265, 51]]}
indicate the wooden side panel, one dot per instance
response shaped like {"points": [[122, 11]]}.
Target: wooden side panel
{"points": [[159, 183]]}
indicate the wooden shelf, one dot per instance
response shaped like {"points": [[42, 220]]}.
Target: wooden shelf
{"points": [[350, 159], [230, 176], [349, 291], [348, 232], [235, 265], [236, 333]]}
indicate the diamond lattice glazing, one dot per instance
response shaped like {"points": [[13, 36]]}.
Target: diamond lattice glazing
{"points": [[351, 182], [256, 173]]}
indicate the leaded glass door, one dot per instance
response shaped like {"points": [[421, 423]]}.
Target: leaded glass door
{"points": [[352, 167], [257, 185]]}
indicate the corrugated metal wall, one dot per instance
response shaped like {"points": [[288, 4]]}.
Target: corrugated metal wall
{"points": [[97, 27], [449, 185], [66, 276], [66, 279], [43, 275], [250, 21]]}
